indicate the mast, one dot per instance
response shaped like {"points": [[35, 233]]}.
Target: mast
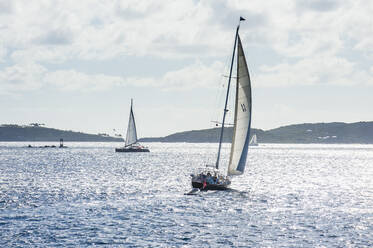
{"points": [[227, 95]]}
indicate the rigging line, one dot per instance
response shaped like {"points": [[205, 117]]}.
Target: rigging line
{"points": [[215, 113], [226, 100]]}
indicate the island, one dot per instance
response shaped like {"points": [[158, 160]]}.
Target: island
{"points": [[306, 133], [328, 133], [13, 132]]}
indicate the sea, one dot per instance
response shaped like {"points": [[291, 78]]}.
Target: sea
{"points": [[86, 195]]}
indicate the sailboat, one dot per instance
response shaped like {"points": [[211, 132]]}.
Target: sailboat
{"points": [[131, 144], [253, 141], [213, 178]]}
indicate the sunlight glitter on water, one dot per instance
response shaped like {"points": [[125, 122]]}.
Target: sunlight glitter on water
{"points": [[290, 195]]}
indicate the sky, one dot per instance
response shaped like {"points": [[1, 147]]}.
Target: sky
{"points": [[75, 65]]}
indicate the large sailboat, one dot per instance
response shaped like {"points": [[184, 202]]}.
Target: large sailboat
{"points": [[131, 144], [213, 178]]}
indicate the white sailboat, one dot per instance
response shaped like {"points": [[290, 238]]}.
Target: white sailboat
{"points": [[131, 144], [214, 179], [253, 141]]}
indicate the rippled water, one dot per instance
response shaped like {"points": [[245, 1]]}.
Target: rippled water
{"points": [[289, 196]]}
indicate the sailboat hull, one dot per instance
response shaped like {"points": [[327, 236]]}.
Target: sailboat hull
{"points": [[199, 185], [132, 149], [202, 182]]}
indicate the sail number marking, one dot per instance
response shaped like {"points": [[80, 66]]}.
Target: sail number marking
{"points": [[243, 107]]}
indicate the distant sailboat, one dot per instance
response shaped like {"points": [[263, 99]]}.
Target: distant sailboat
{"points": [[213, 179], [253, 141], [131, 144]]}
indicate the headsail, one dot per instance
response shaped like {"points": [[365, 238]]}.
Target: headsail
{"points": [[131, 137], [242, 116], [253, 141]]}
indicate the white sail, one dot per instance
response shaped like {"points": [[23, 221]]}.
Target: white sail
{"points": [[253, 141], [242, 116], [131, 137]]}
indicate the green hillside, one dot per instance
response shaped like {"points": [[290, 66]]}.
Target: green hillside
{"points": [[32, 133], [335, 132]]}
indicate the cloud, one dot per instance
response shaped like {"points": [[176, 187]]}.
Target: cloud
{"points": [[172, 29], [46, 54], [42, 32], [197, 75], [3, 53], [93, 30], [310, 71], [72, 80], [227, 14], [6, 6], [127, 10], [21, 77], [318, 5], [313, 70], [31, 76], [56, 37]]}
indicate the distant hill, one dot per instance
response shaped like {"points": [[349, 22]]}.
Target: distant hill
{"points": [[329, 133], [37, 133], [335, 132]]}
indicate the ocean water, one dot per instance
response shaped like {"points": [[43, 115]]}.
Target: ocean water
{"points": [[88, 195]]}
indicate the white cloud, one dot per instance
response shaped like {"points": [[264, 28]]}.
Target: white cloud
{"points": [[6, 8], [318, 5], [93, 30], [314, 70], [309, 32], [197, 75], [3, 53], [30, 76], [21, 77], [73, 80], [41, 53]]}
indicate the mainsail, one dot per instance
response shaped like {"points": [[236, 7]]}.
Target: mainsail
{"points": [[131, 137], [242, 116]]}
